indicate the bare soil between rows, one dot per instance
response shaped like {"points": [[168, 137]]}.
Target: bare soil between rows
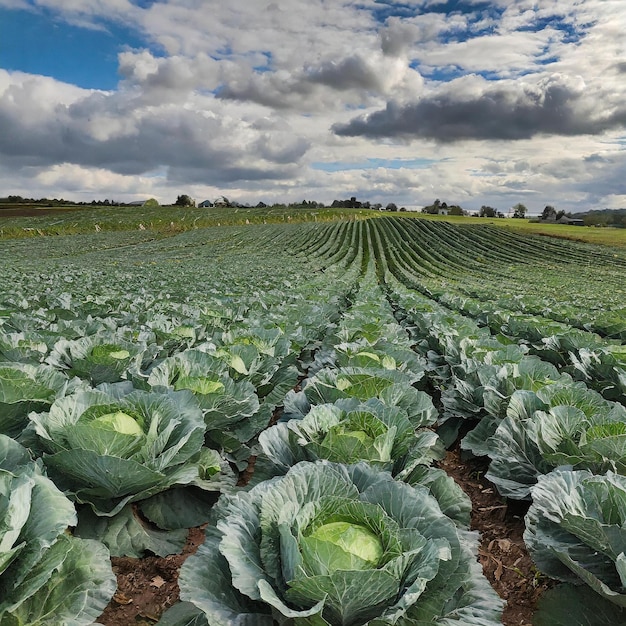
{"points": [[148, 586]]}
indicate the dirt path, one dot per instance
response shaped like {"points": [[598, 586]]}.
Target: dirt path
{"points": [[504, 558]]}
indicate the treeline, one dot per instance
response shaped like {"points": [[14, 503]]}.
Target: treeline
{"points": [[604, 217], [42, 201], [59, 201]]}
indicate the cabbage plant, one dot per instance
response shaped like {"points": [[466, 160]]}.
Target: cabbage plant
{"points": [[329, 544], [604, 369], [562, 424], [350, 431], [23, 348], [576, 531], [392, 387], [47, 577], [114, 445], [101, 358], [25, 388], [227, 405]]}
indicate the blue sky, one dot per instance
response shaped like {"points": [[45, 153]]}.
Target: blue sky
{"points": [[471, 102], [39, 42]]}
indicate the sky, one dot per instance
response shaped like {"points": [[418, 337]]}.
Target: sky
{"points": [[471, 102]]}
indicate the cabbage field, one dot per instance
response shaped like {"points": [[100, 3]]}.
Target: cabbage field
{"points": [[292, 390]]}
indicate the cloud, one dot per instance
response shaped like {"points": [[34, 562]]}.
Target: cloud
{"points": [[556, 105], [355, 80], [47, 123]]}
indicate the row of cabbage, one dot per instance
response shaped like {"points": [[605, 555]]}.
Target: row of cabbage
{"points": [[345, 521], [493, 270], [549, 438], [137, 421]]}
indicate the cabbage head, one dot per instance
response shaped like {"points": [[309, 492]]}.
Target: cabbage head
{"points": [[114, 445], [330, 544], [47, 577]]}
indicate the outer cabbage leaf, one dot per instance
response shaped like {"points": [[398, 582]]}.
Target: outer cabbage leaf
{"points": [[567, 605], [183, 614], [576, 530]]}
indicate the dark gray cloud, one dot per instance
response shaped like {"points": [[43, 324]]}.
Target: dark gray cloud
{"points": [[316, 86], [556, 107], [116, 133], [353, 72]]}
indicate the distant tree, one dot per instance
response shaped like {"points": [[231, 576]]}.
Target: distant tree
{"points": [[377, 207], [184, 200], [487, 211], [596, 219], [152, 203], [559, 215], [519, 211], [548, 213], [455, 209], [391, 207]]}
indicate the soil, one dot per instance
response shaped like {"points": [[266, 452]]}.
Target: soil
{"points": [[502, 552], [148, 586]]}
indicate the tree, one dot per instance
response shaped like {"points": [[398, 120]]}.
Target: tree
{"points": [[391, 207], [548, 213], [487, 211], [184, 200], [519, 211]]}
